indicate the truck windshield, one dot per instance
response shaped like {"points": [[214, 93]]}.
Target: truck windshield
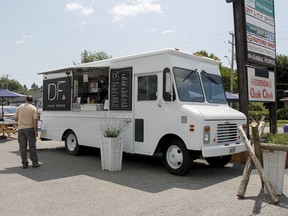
{"points": [[188, 85], [189, 88], [213, 88]]}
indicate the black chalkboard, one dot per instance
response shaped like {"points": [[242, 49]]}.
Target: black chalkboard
{"points": [[57, 94], [121, 89]]}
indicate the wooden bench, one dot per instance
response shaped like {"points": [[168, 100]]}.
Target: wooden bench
{"points": [[8, 128]]}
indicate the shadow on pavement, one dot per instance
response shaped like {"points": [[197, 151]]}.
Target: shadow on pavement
{"points": [[265, 198], [138, 172]]}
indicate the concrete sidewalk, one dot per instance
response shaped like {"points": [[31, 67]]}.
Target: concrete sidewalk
{"points": [[68, 185], [279, 130]]}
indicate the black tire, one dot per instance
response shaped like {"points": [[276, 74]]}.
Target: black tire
{"points": [[71, 144], [176, 158], [220, 161]]}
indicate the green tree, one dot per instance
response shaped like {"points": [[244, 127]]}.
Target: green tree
{"points": [[88, 56], [10, 84], [205, 54], [34, 87], [225, 71], [281, 78]]}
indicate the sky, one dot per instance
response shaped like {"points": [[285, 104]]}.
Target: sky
{"points": [[41, 35]]}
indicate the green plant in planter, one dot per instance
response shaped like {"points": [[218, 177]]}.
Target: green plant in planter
{"points": [[112, 127], [276, 138]]}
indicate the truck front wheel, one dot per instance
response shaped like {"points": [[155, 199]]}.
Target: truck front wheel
{"points": [[220, 161], [176, 158], [71, 143]]}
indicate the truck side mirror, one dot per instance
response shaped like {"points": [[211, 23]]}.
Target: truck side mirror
{"points": [[167, 85]]}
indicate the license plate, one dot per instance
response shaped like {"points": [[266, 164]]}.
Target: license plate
{"points": [[232, 149]]}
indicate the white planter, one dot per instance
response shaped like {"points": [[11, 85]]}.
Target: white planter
{"points": [[274, 169], [111, 153]]}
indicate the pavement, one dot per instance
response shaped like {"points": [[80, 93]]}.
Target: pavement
{"points": [[69, 185], [279, 130]]}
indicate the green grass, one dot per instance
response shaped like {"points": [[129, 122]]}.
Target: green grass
{"points": [[280, 123], [276, 138]]}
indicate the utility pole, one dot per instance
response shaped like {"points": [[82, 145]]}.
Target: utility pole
{"points": [[232, 61]]}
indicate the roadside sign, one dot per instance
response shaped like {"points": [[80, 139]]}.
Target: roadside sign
{"points": [[261, 86], [260, 32]]}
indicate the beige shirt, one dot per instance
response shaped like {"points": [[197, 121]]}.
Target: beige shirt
{"points": [[25, 115]]}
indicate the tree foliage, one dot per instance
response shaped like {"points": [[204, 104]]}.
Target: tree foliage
{"points": [[88, 56], [281, 69], [205, 54], [281, 78], [225, 71], [10, 84]]}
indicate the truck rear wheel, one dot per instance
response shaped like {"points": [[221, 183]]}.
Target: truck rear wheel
{"points": [[71, 143], [176, 158], [220, 161]]}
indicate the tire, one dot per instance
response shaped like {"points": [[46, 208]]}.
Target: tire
{"points": [[220, 161], [176, 158], [71, 144]]}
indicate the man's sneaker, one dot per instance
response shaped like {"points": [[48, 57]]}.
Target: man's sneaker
{"points": [[25, 166], [35, 165]]}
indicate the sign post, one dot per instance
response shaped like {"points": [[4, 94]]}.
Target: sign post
{"points": [[241, 50], [254, 25]]}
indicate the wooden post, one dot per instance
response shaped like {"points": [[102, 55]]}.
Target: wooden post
{"points": [[246, 177], [271, 147], [241, 54], [257, 164], [256, 142], [249, 164]]}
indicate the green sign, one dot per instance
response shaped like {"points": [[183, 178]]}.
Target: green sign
{"points": [[265, 6]]}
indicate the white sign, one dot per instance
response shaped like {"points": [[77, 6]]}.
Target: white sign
{"points": [[261, 85], [85, 77], [260, 30]]}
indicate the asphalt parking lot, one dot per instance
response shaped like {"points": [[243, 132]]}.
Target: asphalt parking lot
{"points": [[69, 185]]}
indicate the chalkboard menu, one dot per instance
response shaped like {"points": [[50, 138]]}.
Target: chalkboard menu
{"points": [[121, 89]]}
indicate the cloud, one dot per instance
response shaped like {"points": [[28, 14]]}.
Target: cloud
{"points": [[76, 7], [169, 31], [23, 39], [122, 11]]}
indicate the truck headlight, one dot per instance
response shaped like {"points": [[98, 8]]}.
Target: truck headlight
{"points": [[206, 137]]}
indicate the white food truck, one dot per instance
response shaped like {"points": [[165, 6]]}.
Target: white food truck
{"points": [[173, 102]]}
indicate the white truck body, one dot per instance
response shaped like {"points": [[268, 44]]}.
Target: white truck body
{"points": [[163, 95]]}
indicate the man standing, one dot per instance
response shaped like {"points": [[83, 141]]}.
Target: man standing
{"points": [[27, 117]]}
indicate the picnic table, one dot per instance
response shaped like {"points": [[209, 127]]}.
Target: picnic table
{"points": [[8, 128]]}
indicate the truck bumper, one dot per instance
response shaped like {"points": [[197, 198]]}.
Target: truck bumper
{"points": [[222, 149]]}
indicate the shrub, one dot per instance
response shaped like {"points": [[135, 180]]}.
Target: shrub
{"points": [[276, 138], [282, 114], [256, 115]]}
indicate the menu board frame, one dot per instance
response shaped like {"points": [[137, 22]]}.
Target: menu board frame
{"points": [[57, 94], [121, 89]]}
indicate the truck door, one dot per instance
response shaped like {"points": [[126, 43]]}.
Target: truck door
{"points": [[147, 112]]}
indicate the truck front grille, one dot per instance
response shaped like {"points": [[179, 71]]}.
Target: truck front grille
{"points": [[226, 133]]}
